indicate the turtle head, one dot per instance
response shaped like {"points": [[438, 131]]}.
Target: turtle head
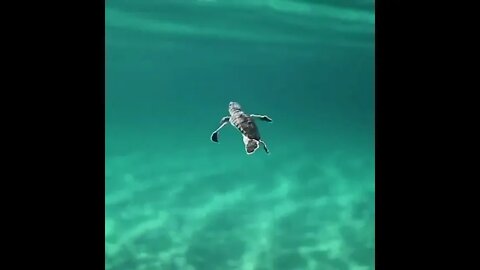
{"points": [[234, 106]]}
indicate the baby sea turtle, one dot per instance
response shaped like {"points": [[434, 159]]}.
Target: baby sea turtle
{"points": [[246, 125]]}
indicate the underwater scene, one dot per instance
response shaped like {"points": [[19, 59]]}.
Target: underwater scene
{"points": [[177, 200]]}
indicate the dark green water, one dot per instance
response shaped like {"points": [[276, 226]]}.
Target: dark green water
{"points": [[176, 200]]}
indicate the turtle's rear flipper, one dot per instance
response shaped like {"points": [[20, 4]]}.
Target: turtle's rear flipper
{"points": [[265, 147], [251, 146]]}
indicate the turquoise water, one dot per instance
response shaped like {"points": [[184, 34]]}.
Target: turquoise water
{"points": [[176, 200]]}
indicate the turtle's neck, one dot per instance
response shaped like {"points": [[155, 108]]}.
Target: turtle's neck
{"points": [[234, 111]]}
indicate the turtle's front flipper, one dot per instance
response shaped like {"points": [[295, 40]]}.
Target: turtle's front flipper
{"points": [[262, 117], [223, 122], [225, 119]]}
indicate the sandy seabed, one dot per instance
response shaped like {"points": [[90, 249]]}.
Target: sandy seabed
{"points": [[225, 211]]}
